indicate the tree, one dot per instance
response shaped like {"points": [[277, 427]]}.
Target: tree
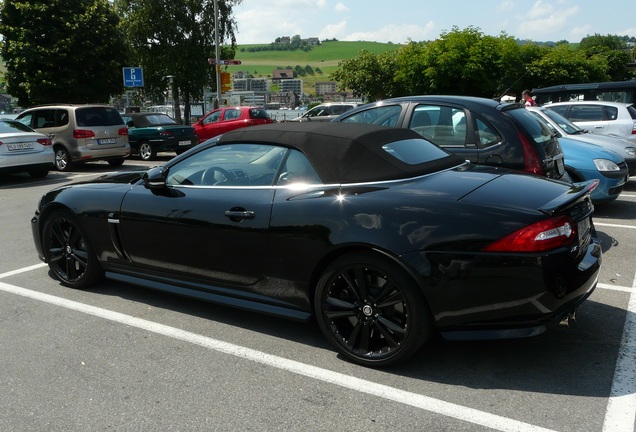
{"points": [[614, 50], [368, 75], [61, 50], [176, 38]]}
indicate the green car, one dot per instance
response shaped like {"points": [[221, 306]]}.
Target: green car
{"points": [[150, 133]]}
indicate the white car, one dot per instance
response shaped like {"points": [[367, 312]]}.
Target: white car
{"points": [[23, 149], [600, 117], [567, 129]]}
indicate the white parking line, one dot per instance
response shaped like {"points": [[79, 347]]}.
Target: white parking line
{"points": [[620, 415], [597, 223], [436, 406]]}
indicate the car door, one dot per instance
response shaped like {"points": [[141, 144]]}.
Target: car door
{"points": [[208, 222], [594, 118], [209, 126]]}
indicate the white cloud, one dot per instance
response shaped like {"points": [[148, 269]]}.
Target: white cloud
{"points": [[543, 20], [395, 33], [333, 31], [506, 5], [341, 7]]}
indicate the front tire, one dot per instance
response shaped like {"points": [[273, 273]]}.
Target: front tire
{"points": [[371, 310], [68, 251], [116, 162]]}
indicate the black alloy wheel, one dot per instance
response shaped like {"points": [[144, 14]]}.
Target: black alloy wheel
{"points": [[68, 252], [371, 310]]}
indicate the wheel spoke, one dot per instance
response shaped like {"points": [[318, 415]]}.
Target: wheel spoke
{"points": [[392, 300], [59, 233], [387, 335], [392, 326]]}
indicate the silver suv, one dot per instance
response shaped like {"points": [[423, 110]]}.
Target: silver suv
{"points": [[81, 133], [326, 111]]}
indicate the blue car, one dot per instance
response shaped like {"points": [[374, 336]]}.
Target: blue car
{"points": [[584, 161]]}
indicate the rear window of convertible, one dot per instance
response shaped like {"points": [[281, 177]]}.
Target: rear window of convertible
{"points": [[415, 151]]}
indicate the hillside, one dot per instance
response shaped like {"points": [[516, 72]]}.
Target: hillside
{"points": [[326, 57]]}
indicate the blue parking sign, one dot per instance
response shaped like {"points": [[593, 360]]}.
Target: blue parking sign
{"points": [[133, 77]]}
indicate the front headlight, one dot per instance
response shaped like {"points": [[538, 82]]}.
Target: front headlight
{"points": [[631, 151], [605, 165]]}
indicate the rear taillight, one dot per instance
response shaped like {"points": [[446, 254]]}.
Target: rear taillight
{"points": [[531, 161], [44, 141], [122, 131], [83, 133], [541, 236], [634, 129], [166, 133]]}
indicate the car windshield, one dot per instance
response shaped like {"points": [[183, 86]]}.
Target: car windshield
{"points": [[98, 116], [565, 124]]}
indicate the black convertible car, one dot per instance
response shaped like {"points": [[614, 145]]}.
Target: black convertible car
{"points": [[380, 235]]}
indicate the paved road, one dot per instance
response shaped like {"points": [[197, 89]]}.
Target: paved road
{"points": [[122, 358]]}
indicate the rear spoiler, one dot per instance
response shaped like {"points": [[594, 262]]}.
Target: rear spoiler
{"points": [[576, 193]]}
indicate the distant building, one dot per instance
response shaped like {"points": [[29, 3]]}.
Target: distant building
{"points": [[282, 74], [312, 41], [291, 85], [251, 84], [324, 87]]}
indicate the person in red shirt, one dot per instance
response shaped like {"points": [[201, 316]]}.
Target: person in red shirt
{"points": [[527, 98]]}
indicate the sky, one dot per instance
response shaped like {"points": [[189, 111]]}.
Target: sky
{"points": [[398, 21]]}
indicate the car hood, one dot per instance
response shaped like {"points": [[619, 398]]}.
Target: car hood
{"points": [[612, 142], [571, 146]]}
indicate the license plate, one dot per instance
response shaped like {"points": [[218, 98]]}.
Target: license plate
{"points": [[185, 143], [107, 141], [583, 228], [20, 146]]}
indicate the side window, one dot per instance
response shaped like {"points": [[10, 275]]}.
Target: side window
{"points": [[61, 117], [442, 125], [44, 118], [232, 114], [298, 170], [584, 113], [610, 113], [486, 135], [229, 165], [383, 116], [212, 118]]}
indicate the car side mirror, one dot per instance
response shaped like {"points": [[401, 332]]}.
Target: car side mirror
{"points": [[154, 178]]}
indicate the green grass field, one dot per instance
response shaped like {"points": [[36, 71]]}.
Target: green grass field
{"points": [[326, 57]]}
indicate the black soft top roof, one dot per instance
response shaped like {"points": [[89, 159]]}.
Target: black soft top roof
{"points": [[344, 152]]}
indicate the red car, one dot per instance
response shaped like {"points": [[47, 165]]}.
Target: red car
{"points": [[222, 120]]}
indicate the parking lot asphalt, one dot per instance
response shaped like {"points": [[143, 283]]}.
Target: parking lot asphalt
{"points": [[123, 358]]}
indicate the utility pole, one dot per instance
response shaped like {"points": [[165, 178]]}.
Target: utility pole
{"points": [[217, 54]]}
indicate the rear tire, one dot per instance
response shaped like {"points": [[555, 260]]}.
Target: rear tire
{"points": [[68, 251], [146, 152], [62, 159], [371, 310]]}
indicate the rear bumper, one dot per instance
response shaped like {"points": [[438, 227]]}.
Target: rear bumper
{"points": [[486, 297]]}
